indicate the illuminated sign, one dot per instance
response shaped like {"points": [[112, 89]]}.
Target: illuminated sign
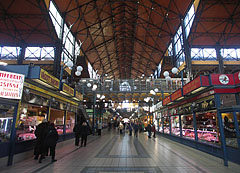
{"points": [[177, 94], [166, 100], [79, 96], [67, 89], [49, 79], [196, 83], [11, 85]]}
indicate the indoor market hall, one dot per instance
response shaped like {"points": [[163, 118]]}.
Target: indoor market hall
{"points": [[115, 152]]}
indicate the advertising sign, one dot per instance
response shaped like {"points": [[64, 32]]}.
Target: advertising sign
{"points": [[11, 85], [49, 79], [67, 89], [222, 79]]}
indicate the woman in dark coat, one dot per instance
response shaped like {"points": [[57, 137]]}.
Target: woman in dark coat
{"points": [[76, 130], [84, 133], [51, 140]]}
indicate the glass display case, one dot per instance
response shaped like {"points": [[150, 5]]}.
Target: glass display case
{"points": [[30, 116], [6, 119], [187, 126], [57, 117], [70, 122], [175, 125], [207, 127], [166, 125], [229, 129]]}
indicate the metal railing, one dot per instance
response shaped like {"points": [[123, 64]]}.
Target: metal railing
{"points": [[130, 85]]}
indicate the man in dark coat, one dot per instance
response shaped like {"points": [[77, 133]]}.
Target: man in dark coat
{"points": [[85, 131], [76, 130], [51, 140], [40, 133]]}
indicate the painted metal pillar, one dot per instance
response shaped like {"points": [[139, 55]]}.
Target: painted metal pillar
{"points": [[94, 112], [187, 52], [237, 96], [13, 134], [64, 124], [170, 124], [180, 125], [22, 54], [220, 59], [195, 126], [220, 124], [58, 52], [236, 127]]}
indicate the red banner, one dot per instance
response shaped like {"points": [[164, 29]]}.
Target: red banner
{"points": [[196, 83], [222, 79], [177, 94], [237, 78], [166, 100]]}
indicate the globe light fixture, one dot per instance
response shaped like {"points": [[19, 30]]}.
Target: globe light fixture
{"points": [[156, 90], [168, 78], [89, 85], [70, 64], [174, 70], [166, 74]]}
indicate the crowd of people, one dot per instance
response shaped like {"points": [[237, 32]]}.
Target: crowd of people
{"points": [[136, 127]]}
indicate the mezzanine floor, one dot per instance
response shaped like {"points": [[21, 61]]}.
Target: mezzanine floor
{"points": [[123, 153]]}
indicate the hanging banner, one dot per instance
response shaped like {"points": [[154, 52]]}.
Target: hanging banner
{"points": [[67, 89], [49, 79], [11, 85]]}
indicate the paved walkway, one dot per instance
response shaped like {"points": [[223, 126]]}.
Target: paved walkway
{"points": [[123, 153]]}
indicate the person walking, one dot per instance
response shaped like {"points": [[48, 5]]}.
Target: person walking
{"points": [[76, 131], [51, 140], [99, 128], [130, 129], [154, 130], [136, 128], [121, 127], [84, 131], [40, 133], [149, 129]]}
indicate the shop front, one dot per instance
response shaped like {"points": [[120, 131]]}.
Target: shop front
{"points": [[41, 99], [206, 116], [11, 87]]}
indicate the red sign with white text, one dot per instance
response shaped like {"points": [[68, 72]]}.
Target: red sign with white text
{"points": [[237, 78], [177, 94], [194, 84], [11, 85], [166, 100], [222, 79]]}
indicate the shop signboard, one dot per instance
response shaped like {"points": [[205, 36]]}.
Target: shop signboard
{"points": [[49, 79], [166, 100], [67, 89], [197, 84], [222, 79], [237, 78], [177, 94], [11, 85], [79, 96]]}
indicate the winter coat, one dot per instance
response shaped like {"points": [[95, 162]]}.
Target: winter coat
{"points": [[52, 136], [77, 129], [41, 132], [84, 130]]}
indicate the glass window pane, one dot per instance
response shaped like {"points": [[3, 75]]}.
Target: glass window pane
{"points": [[30, 117], [166, 125], [70, 122], [229, 129], [187, 126], [6, 120], [207, 127], [57, 117], [175, 125], [33, 52]]}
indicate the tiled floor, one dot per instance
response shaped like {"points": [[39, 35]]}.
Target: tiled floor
{"points": [[123, 153]]}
